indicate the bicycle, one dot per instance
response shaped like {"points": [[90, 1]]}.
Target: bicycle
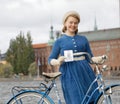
{"points": [[40, 95]]}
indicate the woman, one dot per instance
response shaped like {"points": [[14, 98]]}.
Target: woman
{"points": [[77, 74]]}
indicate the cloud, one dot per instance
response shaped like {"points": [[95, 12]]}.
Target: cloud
{"points": [[38, 15]]}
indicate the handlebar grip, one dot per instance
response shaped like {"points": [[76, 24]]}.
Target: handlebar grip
{"points": [[104, 57]]}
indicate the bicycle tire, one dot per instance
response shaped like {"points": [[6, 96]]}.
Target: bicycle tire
{"points": [[114, 96], [30, 97]]}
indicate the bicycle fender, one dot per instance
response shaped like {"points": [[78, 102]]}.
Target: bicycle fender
{"points": [[107, 87], [42, 93]]}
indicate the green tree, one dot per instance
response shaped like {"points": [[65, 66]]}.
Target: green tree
{"points": [[20, 53]]}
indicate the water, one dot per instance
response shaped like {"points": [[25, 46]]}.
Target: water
{"points": [[6, 86]]}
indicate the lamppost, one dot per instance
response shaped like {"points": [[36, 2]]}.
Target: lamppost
{"points": [[38, 65], [0, 55]]}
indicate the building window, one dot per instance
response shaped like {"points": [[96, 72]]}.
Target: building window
{"points": [[115, 68], [111, 68]]}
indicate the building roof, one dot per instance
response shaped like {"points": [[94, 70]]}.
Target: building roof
{"points": [[41, 45], [2, 56], [106, 34]]}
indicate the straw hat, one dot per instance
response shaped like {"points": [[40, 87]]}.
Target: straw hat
{"points": [[71, 13]]}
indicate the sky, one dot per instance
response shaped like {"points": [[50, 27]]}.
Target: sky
{"points": [[36, 17]]}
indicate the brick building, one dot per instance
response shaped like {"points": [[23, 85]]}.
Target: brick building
{"points": [[106, 42], [42, 52], [101, 41]]}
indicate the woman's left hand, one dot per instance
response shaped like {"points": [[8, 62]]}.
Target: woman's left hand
{"points": [[98, 59]]}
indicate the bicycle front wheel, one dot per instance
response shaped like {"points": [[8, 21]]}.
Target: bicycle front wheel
{"points": [[30, 97], [113, 96]]}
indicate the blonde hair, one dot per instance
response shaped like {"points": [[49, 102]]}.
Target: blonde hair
{"points": [[72, 14]]}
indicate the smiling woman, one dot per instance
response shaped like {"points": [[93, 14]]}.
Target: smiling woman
{"points": [[77, 74]]}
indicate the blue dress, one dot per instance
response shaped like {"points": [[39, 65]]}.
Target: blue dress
{"points": [[76, 75]]}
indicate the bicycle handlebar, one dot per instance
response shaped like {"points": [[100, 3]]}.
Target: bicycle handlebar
{"points": [[82, 53], [104, 57]]}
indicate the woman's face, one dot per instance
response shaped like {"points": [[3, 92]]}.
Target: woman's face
{"points": [[71, 24]]}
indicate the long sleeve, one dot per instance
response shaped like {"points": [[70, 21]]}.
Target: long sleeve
{"points": [[55, 51], [88, 50]]}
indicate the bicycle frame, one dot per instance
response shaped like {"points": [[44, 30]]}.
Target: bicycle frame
{"points": [[53, 84], [87, 97], [102, 88]]}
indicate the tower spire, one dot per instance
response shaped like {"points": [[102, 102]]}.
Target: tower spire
{"points": [[51, 40], [95, 25], [51, 32]]}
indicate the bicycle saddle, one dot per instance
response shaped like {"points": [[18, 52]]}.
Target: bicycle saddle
{"points": [[51, 75]]}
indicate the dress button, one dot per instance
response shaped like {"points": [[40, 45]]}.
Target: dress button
{"points": [[74, 43], [75, 46], [75, 50]]}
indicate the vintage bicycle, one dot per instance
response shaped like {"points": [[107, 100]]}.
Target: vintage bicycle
{"points": [[109, 94]]}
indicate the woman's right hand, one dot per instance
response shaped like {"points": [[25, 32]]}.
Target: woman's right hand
{"points": [[58, 61]]}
